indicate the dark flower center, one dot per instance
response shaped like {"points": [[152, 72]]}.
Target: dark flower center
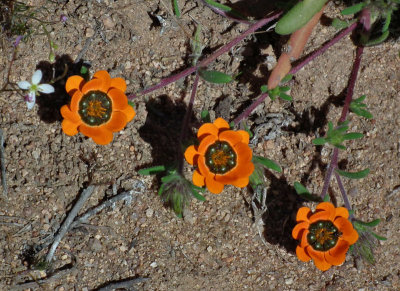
{"points": [[95, 108], [323, 235], [220, 157]]}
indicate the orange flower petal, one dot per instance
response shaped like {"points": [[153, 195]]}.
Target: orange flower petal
{"points": [[74, 83], [198, 179], [129, 112], [342, 212], [213, 186], [117, 121], [105, 80], [243, 152], [220, 123], [205, 143], [206, 129], [297, 231], [337, 255], [239, 172], [304, 241], [303, 214], [76, 98], [231, 137], [241, 182], [92, 85], [245, 136], [324, 211], [302, 255], [69, 127], [190, 154], [318, 258], [118, 83], [99, 134], [349, 234], [71, 115], [203, 169], [119, 99]]}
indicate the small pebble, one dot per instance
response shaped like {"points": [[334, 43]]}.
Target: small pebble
{"points": [[289, 281], [149, 212], [153, 265]]}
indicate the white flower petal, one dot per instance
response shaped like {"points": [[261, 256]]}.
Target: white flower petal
{"points": [[32, 98], [37, 77], [24, 85], [46, 88]]}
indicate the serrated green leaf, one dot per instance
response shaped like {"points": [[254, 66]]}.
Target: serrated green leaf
{"points": [[353, 9], [319, 141], [267, 163], [215, 77], [151, 170], [354, 175], [353, 135]]}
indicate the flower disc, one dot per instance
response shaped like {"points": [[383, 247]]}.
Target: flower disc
{"points": [[95, 108], [220, 157], [323, 235]]}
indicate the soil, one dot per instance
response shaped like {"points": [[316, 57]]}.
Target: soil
{"points": [[217, 245]]}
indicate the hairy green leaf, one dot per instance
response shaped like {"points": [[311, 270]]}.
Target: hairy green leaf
{"points": [[354, 175], [215, 77], [267, 163], [151, 170]]}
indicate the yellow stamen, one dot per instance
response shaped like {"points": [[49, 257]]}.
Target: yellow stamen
{"points": [[95, 109]]}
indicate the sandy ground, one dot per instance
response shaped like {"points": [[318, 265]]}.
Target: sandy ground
{"points": [[216, 246]]}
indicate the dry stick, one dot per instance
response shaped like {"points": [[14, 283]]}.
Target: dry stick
{"points": [[209, 59], [122, 284], [67, 222], [84, 217], [3, 165]]}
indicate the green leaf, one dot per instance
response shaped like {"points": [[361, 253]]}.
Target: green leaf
{"points": [[339, 24], [304, 193], [247, 129], [215, 77], [176, 8], [353, 135], [326, 198], [84, 70], [287, 78], [267, 163], [197, 195], [355, 175], [339, 146], [224, 8], [205, 116], [351, 212], [151, 170], [285, 97], [378, 236], [353, 9], [370, 224], [319, 141], [264, 88]]}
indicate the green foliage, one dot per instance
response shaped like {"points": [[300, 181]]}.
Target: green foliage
{"points": [[298, 16], [215, 76], [196, 45], [305, 194], [278, 91], [176, 8], [354, 175], [205, 116], [152, 170], [257, 177], [267, 163], [353, 9], [225, 8], [357, 107], [336, 136]]}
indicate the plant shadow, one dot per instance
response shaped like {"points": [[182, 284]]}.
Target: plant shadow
{"points": [[50, 104]]}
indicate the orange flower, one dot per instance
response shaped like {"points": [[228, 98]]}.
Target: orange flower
{"points": [[223, 157], [325, 236], [97, 108]]}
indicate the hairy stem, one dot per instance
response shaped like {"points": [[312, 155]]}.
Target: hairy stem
{"points": [[344, 194], [209, 59]]}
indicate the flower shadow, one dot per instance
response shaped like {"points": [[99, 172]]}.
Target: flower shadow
{"points": [[162, 130], [57, 72]]}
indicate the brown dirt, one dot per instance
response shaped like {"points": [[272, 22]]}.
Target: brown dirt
{"points": [[216, 247]]}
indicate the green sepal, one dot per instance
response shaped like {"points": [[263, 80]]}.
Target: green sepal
{"points": [[151, 170], [353, 175]]}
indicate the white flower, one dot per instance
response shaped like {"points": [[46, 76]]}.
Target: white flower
{"points": [[34, 88]]}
